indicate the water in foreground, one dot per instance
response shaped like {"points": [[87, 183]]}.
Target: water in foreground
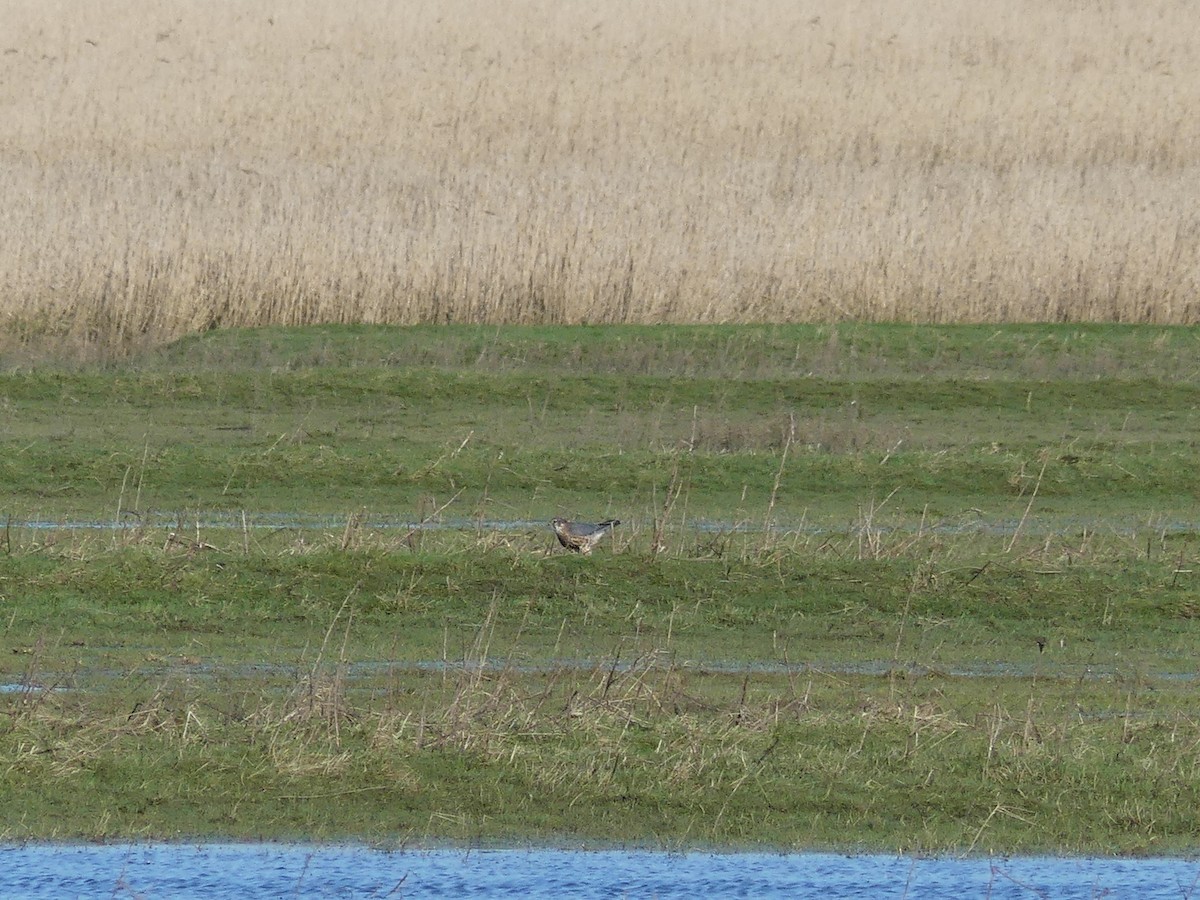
{"points": [[275, 870]]}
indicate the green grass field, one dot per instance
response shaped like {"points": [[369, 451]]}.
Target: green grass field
{"points": [[920, 588]]}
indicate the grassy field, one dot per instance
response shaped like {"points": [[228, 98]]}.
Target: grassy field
{"points": [[194, 166], [890, 587]]}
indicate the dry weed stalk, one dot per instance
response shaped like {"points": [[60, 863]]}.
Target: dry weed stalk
{"points": [[410, 537], [870, 535], [321, 695], [351, 534], [768, 521], [190, 547], [1033, 496], [662, 518]]}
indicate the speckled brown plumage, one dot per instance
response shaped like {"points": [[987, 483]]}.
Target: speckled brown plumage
{"points": [[581, 537]]}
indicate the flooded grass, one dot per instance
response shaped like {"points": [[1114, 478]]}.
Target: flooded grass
{"points": [[785, 698], [313, 596], [647, 753]]}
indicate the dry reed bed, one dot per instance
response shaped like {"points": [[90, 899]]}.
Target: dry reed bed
{"points": [[189, 166]]}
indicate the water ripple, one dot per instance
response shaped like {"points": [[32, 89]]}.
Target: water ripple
{"points": [[37, 871]]}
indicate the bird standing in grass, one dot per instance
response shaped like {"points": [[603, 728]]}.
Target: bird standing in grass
{"points": [[581, 537]]}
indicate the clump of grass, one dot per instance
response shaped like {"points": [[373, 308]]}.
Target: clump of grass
{"points": [[632, 747]]}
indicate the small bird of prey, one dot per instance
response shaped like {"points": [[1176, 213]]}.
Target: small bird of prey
{"points": [[581, 537]]}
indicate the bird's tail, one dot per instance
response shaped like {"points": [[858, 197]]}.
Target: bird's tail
{"points": [[608, 523]]}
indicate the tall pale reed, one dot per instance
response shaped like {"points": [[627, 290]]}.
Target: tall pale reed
{"points": [[176, 165]]}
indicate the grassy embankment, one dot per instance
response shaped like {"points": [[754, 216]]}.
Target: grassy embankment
{"points": [[911, 505], [205, 165]]}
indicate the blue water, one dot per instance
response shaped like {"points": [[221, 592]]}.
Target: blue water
{"points": [[154, 871]]}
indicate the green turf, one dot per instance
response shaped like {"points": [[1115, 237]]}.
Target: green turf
{"points": [[887, 587]]}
